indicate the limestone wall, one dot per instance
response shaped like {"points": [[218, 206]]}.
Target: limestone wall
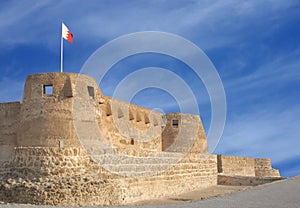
{"points": [[187, 175], [130, 127], [67, 176], [57, 176], [184, 133], [47, 118], [73, 146], [244, 166], [9, 118], [263, 168], [228, 180], [233, 165], [75, 113]]}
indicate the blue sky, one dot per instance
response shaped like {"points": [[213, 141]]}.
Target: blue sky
{"points": [[254, 45]]}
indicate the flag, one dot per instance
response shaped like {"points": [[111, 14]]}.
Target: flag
{"points": [[66, 34]]}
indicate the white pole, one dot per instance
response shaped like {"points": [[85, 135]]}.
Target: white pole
{"points": [[61, 53]]}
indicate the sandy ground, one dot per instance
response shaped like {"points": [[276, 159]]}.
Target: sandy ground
{"points": [[201, 194], [279, 194]]}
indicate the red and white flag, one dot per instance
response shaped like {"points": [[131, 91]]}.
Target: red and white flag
{"points": [[66, 34]]}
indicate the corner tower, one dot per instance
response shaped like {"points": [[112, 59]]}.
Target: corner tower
{"points": [[46, 116]]}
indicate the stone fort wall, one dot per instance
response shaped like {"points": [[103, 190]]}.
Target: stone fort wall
{"points": [[9, 119], [76, 106], [68, 176], [67, 144], [245, 166]]}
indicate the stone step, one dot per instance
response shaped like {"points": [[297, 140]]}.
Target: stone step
{"points": [[144, 167], [135, 161], [157, 170], [119, 159], [138, 169], [126, 159]]}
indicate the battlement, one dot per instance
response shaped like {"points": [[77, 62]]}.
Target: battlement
{"points": [[54, 102]]}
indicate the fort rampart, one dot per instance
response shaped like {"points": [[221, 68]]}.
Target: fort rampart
{"points": [[67, 144]]}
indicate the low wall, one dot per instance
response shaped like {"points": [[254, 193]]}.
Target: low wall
{"points": [[233, 165], [263, 168], [244, 166]]}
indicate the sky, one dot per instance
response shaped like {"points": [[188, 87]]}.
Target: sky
{"points": [[254, 46]]}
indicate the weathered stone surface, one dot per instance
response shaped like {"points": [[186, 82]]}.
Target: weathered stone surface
{"points": [[74, 146], [231, 180]]}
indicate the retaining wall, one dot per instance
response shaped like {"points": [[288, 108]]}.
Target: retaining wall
{"points": [[67, 176]]}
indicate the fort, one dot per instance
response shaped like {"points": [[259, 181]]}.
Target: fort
{"points": [[68, 144]]}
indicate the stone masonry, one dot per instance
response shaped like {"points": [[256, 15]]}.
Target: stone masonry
{"points": [[67, 144]]}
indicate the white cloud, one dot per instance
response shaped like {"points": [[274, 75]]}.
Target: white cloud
{"points": [[94, 20], [282, 73], [271, 132]]}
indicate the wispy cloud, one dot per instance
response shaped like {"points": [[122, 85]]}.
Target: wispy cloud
{"points": [[284, 68], [106, 19], [273, 126]]}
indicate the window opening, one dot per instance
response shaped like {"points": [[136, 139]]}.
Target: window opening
{"points": [[48, 89], [91, 91], [175, 123], [131, 117], [108, 110]]}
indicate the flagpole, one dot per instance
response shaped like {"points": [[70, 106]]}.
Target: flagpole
{"points": [[61, 53], [65, 34]]}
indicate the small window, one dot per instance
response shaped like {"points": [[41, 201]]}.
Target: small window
{"points": [[60, 143], [108, 110], [131, 117], [48, 89], [175, 123], [91, 91], [138, 117], [146, 118], [132, 141]]}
